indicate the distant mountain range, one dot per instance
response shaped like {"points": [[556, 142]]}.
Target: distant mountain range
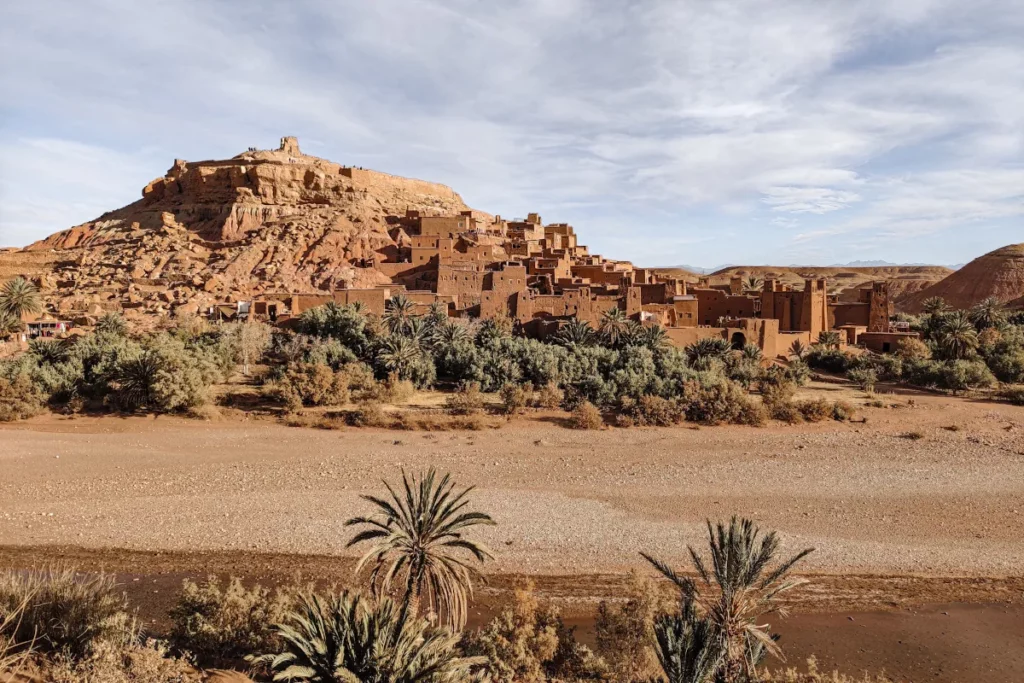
{"points": [[852, 264]]}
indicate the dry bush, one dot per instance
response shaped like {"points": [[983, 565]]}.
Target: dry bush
{"points": [[843, 411], [311, 384], [912, 436], [148, 663], [392, 390], [549, 397], [466, 401], [812, 675], [20, 398], [65, 611], [370, 414], [912, 349], [815, 410], [221, 626], [437, 422], [528, 643], [12, 652], [513, 398], [625, 633], [586, 416], [721, 403], [1013, 395], [650, 411]]}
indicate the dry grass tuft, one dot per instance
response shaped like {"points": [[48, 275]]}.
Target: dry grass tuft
{"points": [[586, 416]]}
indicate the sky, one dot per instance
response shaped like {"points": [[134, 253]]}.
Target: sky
{"points": [[696, 132]]}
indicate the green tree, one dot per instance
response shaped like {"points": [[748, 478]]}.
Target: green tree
{"points": [[687, 643], [19, 297], [614, 326], [735, 588], [10, 325], [347, 639], [419, 534], [957, 336], [398, 354], [753, 283], [573, 333], [397, 314], [934, 306], [707, 349], [989, 313]]}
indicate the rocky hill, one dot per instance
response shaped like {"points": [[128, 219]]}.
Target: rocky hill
{"points": [[260, 222], [998, 274]]}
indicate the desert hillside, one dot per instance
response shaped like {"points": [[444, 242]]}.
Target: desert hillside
{"points": [[262, 221], [998, 274], [904, 281]]}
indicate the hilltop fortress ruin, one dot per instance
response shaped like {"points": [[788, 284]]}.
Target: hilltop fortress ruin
{"points": [[272, 233]]}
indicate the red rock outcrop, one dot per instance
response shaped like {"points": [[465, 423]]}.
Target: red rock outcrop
{"points": [[276, 221]]}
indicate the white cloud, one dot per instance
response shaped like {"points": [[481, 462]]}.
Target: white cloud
{"points": [[870, 119]]}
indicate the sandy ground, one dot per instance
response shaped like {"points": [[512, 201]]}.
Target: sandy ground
{"points": [[865, 496], [909, 532]]}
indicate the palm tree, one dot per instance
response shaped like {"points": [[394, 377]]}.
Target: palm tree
{"points": [[134, 379], [417, 535], [345, 639], [934, 305], [752, 352], [448, 335], [654, 337], [798, 349], [10, 325], [397, 313], [113, 324], [575, 333], [687, 645], [614, 326], [737, 589], [19, 297], [989, 313], [398, 354], [829, 339], [704, 350], [754, 283], [957, 336]]}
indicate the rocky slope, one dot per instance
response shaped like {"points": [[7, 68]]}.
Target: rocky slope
{"points": [[261, 222], [998, 274]]}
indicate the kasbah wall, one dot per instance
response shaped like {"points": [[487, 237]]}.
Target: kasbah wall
{"points": [[479, 266]]}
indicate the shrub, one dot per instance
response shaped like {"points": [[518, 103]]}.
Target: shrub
{"points": [[310, 384], [812, 675], [910, 348], [135, 663], [466, 401], [815, 410], [1013, 395], [586, 416], [798, 372], [20, 398], [528, 643], [370, 414], [649, 411], [549, 396], [719, 403], [828, 359], [222, 626], [391, 390], [842, 411], [513, 398], [865, 378], [624, 633], [65, 611], [961, 375]]}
